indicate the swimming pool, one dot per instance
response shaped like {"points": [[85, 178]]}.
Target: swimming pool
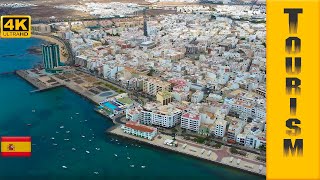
{"points": [[110, 106]]}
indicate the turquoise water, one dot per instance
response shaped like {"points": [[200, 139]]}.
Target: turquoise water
{"points": [[59, 111], [110, 106]]}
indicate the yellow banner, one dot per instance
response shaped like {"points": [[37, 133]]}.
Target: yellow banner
{"points": [[15, 147], [293, 55]]}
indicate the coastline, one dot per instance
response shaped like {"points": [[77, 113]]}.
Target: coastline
{"points": [[52, 40]]}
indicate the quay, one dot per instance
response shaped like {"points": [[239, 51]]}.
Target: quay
{"points": [[218, 156]]}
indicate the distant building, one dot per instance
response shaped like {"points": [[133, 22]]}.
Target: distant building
{"points": [[136, 129], [51, 56], [164, 97], [41, 28], [197, 96]]}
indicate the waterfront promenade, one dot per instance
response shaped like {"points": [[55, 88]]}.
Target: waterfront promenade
{"points": [[220, 156]]}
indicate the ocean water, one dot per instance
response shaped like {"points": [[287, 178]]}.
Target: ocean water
{"points": [[62, 120]]}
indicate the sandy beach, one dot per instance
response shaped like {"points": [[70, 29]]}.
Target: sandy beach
{"points": [[63, 53]]}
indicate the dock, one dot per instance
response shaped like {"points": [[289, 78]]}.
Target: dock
{"points": [[35, 82]]}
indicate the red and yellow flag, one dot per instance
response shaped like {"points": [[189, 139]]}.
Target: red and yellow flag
{"points": [[16, 146]]}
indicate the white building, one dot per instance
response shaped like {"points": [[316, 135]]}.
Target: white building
{"points": [[235, 128], [197, 96], [136, 129], [153, 86], [190, 121], [220, 127], [134, 114], [160, 115]]}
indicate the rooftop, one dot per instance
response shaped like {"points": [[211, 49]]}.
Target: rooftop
{"points": [[140, 127]]}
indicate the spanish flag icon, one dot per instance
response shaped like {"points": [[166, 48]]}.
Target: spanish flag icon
{"points": [[16, 146]]}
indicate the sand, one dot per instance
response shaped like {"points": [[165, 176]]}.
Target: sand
{"points": [[52, 40]]}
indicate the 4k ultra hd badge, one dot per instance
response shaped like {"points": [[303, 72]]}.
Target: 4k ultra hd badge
{"points": [[14, 26]]}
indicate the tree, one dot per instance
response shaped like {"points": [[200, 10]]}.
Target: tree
{"points": [[262, 148], [151, 72]]}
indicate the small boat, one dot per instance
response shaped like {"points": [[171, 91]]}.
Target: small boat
{"points": [[143, 166], [87, 152], [116, 139], [52, 138], [132, 165], [83, 136], [64, 167], [126, 146], [66, 139], [90, 129], [115, 155], [96, 172], [73, 149], [71, 117], [77, 113], [55, 144], [92, 137], [61, 127], [29, 124], [92, 134], [67, 132], [33, 110], [57, 132], [98, 149], [128, 157], [85, 120], [90, 140]]}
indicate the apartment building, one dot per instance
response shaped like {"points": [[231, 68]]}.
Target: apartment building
{"points": [[164, 97], [153, 86], [235, 127], [220, 127], [197, 96], [190, 121], [160, 115], [136, 129]]}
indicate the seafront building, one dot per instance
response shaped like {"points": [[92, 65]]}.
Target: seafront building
{"points": [[136, 129], [167, 116], [51, 56], [190, 121]]}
